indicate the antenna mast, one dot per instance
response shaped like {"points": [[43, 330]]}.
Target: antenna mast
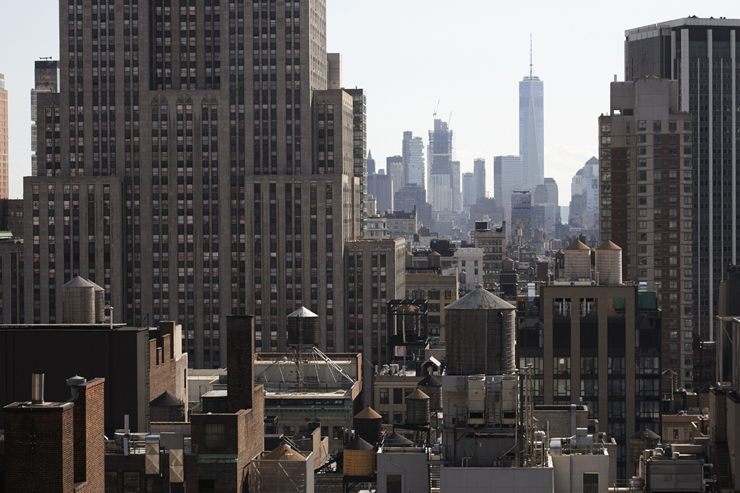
{"points": [[530, 55]]}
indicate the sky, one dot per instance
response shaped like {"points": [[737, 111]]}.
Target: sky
{"points": [[411, 55]]}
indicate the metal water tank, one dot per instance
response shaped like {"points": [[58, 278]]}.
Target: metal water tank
{"points": [[303, 328], [417, 408], [359, 458], [481, 335], [432, 387], [609, 264], [99, 303], [369, 425], [577, 261], [78, 302]]}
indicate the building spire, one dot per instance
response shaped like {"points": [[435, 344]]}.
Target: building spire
{"points": [[530, 55]]}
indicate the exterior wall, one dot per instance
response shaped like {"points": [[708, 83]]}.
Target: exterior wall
{"points": [[12, 299], [439, 290], [167, 363], [410, 463], [469, 263], [3, 139], [379, 266], [647, 204], [569, 470], [507, 480], [493, 244], [89, 433], [387, 406], [508, 176]]}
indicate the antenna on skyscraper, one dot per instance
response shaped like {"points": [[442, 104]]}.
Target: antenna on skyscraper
{"points": [[530, 55]]}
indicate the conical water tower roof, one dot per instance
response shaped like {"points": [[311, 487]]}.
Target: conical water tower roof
{"points": [[608, 245], [368, 413], [577, 245], [480, 299], [79, 282], [303, 312], [358, 444], [396, 440], [430, 381], [283, 452], [417, 395]]}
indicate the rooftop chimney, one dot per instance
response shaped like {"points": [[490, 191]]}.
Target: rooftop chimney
{"points": [[37, 388]]}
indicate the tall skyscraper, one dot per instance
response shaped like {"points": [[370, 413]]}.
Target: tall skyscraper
{"points": [[46, 79], [380, 186], [413, 160], [394, 167], [4, 191], [507, 174], [532, 129], [190, 186], [479, 170], [440, 166], [456, 186], [646, 203], [700, 55], [370, 163], [469, 186]]}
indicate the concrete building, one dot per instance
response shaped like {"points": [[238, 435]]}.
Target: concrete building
{"points": [[468, 189], [456, 181], [647, 204], [380, 186], [359, 139], [376, 227], [11, 217], [413, 160], [390, 391], [13, 308], [4, 162], [486, 210], [493, 243], [507, 177], [468, 264], [163, 195], [409, 198], [394, 167], [479, 171], [572, 331], [664, 50], [46, 80], [374, 273], [532, 130], [402, 224], [440, 156], [439, 290], [521, 217]]}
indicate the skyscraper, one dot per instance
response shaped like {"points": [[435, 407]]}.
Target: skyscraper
{"points": [[456, 185], [440, 166], [413, 160], [394, 167], [532, 130], [46, 80], [469, 186], [507, 174], [479, 169], [646, 206], [370, 163], [3, 139], [700, 55], [190, 186]]}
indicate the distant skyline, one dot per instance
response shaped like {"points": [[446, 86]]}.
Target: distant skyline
{"points": [[409, 55]]}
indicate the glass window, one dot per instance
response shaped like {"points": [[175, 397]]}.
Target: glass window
{"points": [[590, 482], [397, 396], [383, 396], [215, 436]]}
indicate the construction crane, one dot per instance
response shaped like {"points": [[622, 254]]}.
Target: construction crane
{"points": [[435, 111]]}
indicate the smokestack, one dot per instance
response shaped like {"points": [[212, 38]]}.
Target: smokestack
{"points": [[37, 388]]}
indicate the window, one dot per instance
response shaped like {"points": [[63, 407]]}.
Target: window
{"points": [[397, 396], [641, 125], [383, 396], [397, 418], [393, 483], [590, 482], [131, 482], [215, 436]]}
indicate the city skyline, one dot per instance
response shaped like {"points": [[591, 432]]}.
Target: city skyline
{"points": [[478, 133]]}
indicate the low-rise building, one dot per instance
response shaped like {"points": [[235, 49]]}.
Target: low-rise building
{"points": [[493, 243], [402, 224], [391, 388], [439, 290]]}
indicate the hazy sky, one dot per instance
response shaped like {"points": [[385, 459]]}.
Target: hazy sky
{"points": [[410, 54]]}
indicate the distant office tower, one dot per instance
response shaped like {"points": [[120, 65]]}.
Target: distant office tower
{"points": [[380, 186], [584, 196], [700, 54], [456, 186], [440, 166], [521, 215], [394, 167], [409, 197], [468, 189], [413, 160], [479, 169], [647, 202], [370, 163], [546, 196], [46, 80], [359, 141], [3, 139], [507, 177], [532, 130], [196, 188]]}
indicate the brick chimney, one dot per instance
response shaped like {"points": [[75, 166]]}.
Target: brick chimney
{"points": [[240, 361]]}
